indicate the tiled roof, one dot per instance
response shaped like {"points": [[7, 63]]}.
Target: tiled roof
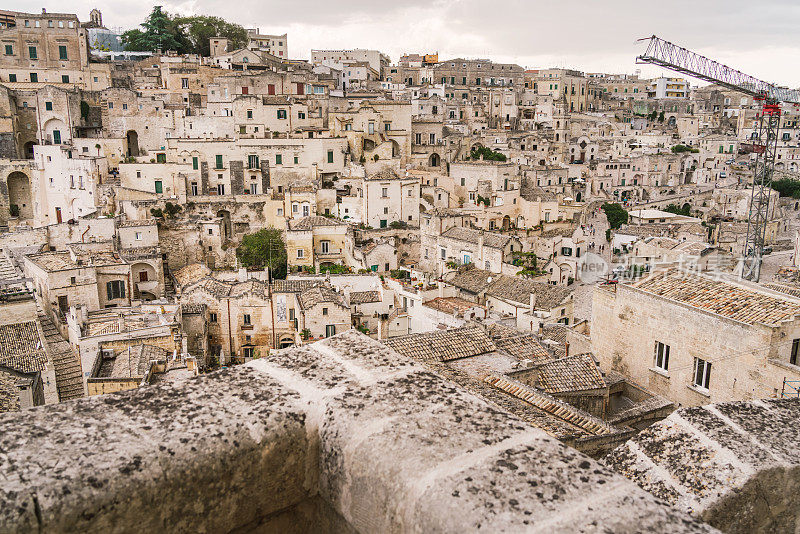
{"points": [[193, 309], [519, 289], [521, 345], [364, 297], [250, 287], [451, 304], [470, 235], [512, 288], [21, 348], [214, 287], [318, 295], [471, 279], [723, 298], [293, 286], [69, 380], [555, 332], [574, 373], [551, 405], [443, 346], [793, 290], [190, 273], [308, 223]]}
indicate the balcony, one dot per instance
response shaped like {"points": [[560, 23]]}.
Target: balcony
{"points": [[348, 436]]}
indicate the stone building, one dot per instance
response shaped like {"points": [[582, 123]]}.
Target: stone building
{"points": [[696, 339]]}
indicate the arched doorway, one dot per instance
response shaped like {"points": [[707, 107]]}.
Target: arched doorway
{"points": [[506, 222], [687, 207], [19, 195], [133, 143], [434, 160], [285, 342], [56, 132], [395, 149]]}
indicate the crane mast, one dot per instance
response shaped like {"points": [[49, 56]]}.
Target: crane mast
{"points": [[671, 56]]}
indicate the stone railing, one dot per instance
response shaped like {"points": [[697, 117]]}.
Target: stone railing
{"points": [[341, 436]]}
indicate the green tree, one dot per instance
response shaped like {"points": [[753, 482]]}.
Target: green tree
{"points": [[266, 249], [661, 117], [786, 187], [158, 32], [198, 29], [678, 210], [487, 153], [616, 214]]}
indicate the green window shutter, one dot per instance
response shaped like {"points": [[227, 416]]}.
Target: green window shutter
{"points": [[194, 162], [62, 52], [32, 52], [219, 161], [159, 187], [330, 156], [278, 159], [48, 106]]}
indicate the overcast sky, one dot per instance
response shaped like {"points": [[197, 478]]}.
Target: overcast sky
{"points": [[759, 37]]}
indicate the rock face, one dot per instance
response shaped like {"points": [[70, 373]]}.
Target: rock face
{"points": [[734, 465], [343, 435]]}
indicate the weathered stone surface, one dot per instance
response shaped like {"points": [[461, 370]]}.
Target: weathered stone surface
{"points": [[734, 465], [402, 450], [222, 450], [343, 435]]}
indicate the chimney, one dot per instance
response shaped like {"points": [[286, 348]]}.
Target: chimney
{"points": [[531, 302], [541, 329], [121, 322], [566, 349]]}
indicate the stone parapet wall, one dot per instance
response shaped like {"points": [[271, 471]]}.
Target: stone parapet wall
{"points": [[734, 465], [342, 435]]}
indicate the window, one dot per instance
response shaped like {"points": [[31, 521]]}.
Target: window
{"points": [[249, 113], [443, 253], [62, 53], [32, 52], [194, 162], [795, 356], [301, 253], [159, 187], [115, 289], [138, 236], [184, 83], [662, 356], [194, 189], [371, 128], [48, 106], [252, 161], [281, 113], [330, 330], [384, 192], [34, 77], [248, 352], [56, 137], [246, 318], [245, 90], [9, 50], [330, 156], [278, 159], [12, 77], [702, 373], [218, 163], [212, 317], [387, 126], [65, 79], [324, 311], [383, 223]]}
